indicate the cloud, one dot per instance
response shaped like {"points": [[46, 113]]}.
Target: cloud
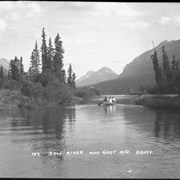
{"points": [[122, 10], [176, 20], [5, 5], [165, 20], [33, 9], [121, 13], [3, 25], [76, 6], [16, 10], [139, 25], [15, 15]]}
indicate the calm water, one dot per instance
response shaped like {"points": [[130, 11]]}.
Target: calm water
{"points": [[57, 133]]}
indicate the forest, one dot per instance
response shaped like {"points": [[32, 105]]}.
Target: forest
{"points": [[46, 80], [167, 74]]}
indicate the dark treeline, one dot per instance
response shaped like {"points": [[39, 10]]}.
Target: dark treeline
{"points": [[167, 74], [46, 79]]}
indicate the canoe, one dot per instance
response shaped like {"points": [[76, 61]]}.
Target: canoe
{"points": [[106, 103]]}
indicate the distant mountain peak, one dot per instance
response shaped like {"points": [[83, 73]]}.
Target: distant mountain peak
{"points": [[106, 69], [93, 77]]}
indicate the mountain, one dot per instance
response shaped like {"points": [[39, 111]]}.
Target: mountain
{"points": [[4, 63], [93, 77], [83, 78], [140, 71]]}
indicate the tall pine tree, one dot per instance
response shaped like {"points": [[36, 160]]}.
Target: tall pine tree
{"points": [[173, 66], [35, 63], [1, 76], [157, 69], [44, 52], [166, 66], [58, 59], [73, 80], [50, 55], [71, 77], [1, 72], [15, 69], [21, 67]]}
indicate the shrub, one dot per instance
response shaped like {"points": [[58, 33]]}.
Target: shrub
{"points": [[30, 89], [86, 93], [27, 88], [11, 84]]}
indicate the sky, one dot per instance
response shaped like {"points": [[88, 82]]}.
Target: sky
{"points": [[94, 34]]}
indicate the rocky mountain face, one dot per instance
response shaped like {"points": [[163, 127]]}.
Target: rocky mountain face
{"points": [[5, 64], [93, 77]]}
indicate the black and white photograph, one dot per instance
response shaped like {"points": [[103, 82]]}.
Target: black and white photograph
{"points": [[89, 89]]}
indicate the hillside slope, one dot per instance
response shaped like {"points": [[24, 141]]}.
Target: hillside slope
{"points": [[140, 71]]}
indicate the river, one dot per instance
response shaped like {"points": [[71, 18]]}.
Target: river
{"points": [[89, 141]]}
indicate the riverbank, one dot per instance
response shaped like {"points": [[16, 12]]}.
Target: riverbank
{"points": [[170, 102], [13, 99]]}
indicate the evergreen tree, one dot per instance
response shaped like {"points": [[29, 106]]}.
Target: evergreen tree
{"points": [[1, 72], [1, 76], [44, 52], [58, 59], [177, 66], [166, 66], [30, 73], [71, 77], [15, 69], [73, 80], [64, 76], [21, 67], [173, 67], [35, 63], [157, 69], [50, 55]]}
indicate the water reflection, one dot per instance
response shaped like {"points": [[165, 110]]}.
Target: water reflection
{"points": [[90, 127], [45, 129], [161, 124], [166, 124], [110, 109], [157, 123]]}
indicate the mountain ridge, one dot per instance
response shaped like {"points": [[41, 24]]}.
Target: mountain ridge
{"points": [[93, 77], [140, 71]]}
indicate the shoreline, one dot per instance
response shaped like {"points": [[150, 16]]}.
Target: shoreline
{"points": [[164, 102], [10, 100]]}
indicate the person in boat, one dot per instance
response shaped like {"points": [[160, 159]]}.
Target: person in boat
{"points": [[105, 99], [113, 100], [110, 99]]}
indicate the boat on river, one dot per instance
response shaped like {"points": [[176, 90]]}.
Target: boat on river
{"points": [[106, 103]]}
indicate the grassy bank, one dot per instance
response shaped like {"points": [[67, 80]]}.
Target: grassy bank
{"points": [[14, 99], [170, 102]]}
